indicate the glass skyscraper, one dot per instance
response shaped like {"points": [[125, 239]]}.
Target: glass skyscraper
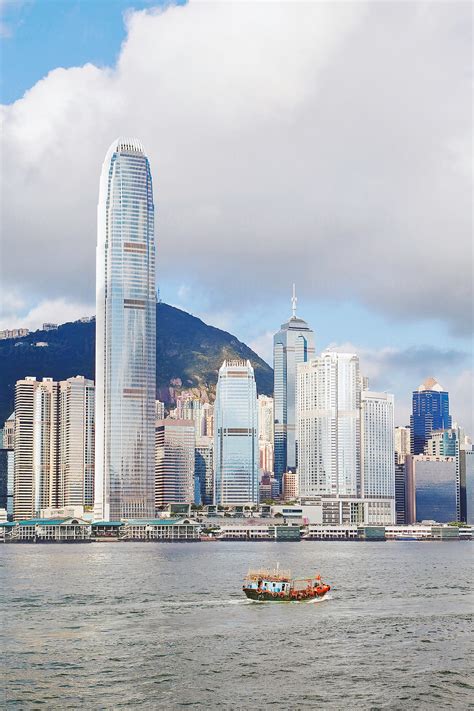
{"points": [[430, 411], [293, 344], [125, 336], [236, 435]]}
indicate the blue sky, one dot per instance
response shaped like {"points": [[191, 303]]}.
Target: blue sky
{"points": [[386, 298]]}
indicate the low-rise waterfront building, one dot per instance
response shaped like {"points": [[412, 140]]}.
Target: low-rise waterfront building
{"points": [[162, 529], [44, 530], [316, 532]]}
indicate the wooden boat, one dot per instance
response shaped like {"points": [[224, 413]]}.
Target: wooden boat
{"points": [[265, 585]]}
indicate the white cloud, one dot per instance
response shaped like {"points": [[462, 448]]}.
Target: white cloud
{"points": [[323, 141], [47, 311]]}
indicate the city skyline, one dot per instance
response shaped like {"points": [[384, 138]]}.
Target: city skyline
{"points": [[407, 333]]}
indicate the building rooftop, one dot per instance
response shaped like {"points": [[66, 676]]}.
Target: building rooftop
{"points": [[430, 384]]}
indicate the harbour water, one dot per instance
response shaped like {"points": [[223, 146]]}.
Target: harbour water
{"points": [[165, 626]]}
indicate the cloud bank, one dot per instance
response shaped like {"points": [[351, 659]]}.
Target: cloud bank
{"points": [[329, 143]]}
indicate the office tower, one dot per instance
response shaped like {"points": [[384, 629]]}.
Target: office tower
{"points": [[402, 444], [377, 445], [430, 411], [400, 494], [329, 426], [236, 435], [204, 468], [293, 344], [434, 487], [159, 410], [125, 336], [265, 433], [448, 443], [76, 445], [174, 474], [36, 447], [290, 486]]}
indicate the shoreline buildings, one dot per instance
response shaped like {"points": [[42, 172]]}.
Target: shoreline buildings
{"points": [[125, 336], [236, 435], [293, 344]]}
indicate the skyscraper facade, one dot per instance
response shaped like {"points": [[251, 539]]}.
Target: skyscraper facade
{"points": [[125, 336], [236, 435], [76, 442], [204, 468], [430, 411], [329, 426], [377, 445], [175, 443], [36, 447], [293, 344]]}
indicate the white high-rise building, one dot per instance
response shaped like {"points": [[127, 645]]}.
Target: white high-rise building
{"points": [[125, 336], [293, 344], [76, 442], [377, 445], [236, 435], [53, 445], [265, 433], [328, 407]]}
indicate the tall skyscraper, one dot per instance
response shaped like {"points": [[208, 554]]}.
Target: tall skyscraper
{"points": [[265, 433], [430, 411], [293, 344], [76, 442], [377, 445], [125, 336], [236, 435], [329, 426], [175, 443], [36, 447]]}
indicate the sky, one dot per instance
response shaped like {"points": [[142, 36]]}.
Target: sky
{"points": [[323, 144]]}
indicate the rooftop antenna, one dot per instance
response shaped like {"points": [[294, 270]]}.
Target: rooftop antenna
{"points": [[293, 302]]}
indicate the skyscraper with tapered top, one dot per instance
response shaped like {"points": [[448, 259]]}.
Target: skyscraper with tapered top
{"points": [[293, 344], [236, 435], [125, 336]]}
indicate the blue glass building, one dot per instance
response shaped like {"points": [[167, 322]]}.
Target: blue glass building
{"points": [[435, 489], [430, 412], [236, 435]]}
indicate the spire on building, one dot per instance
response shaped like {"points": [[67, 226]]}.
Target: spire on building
{"points": [[294, 299]]}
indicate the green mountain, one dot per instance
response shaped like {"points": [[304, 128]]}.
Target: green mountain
{"points": [[188, 356]]}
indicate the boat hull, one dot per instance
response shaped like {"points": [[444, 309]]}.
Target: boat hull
{"points": [[264, 596]]}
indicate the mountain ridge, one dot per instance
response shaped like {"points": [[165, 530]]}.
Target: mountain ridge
{"points": [[189, 353]]}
